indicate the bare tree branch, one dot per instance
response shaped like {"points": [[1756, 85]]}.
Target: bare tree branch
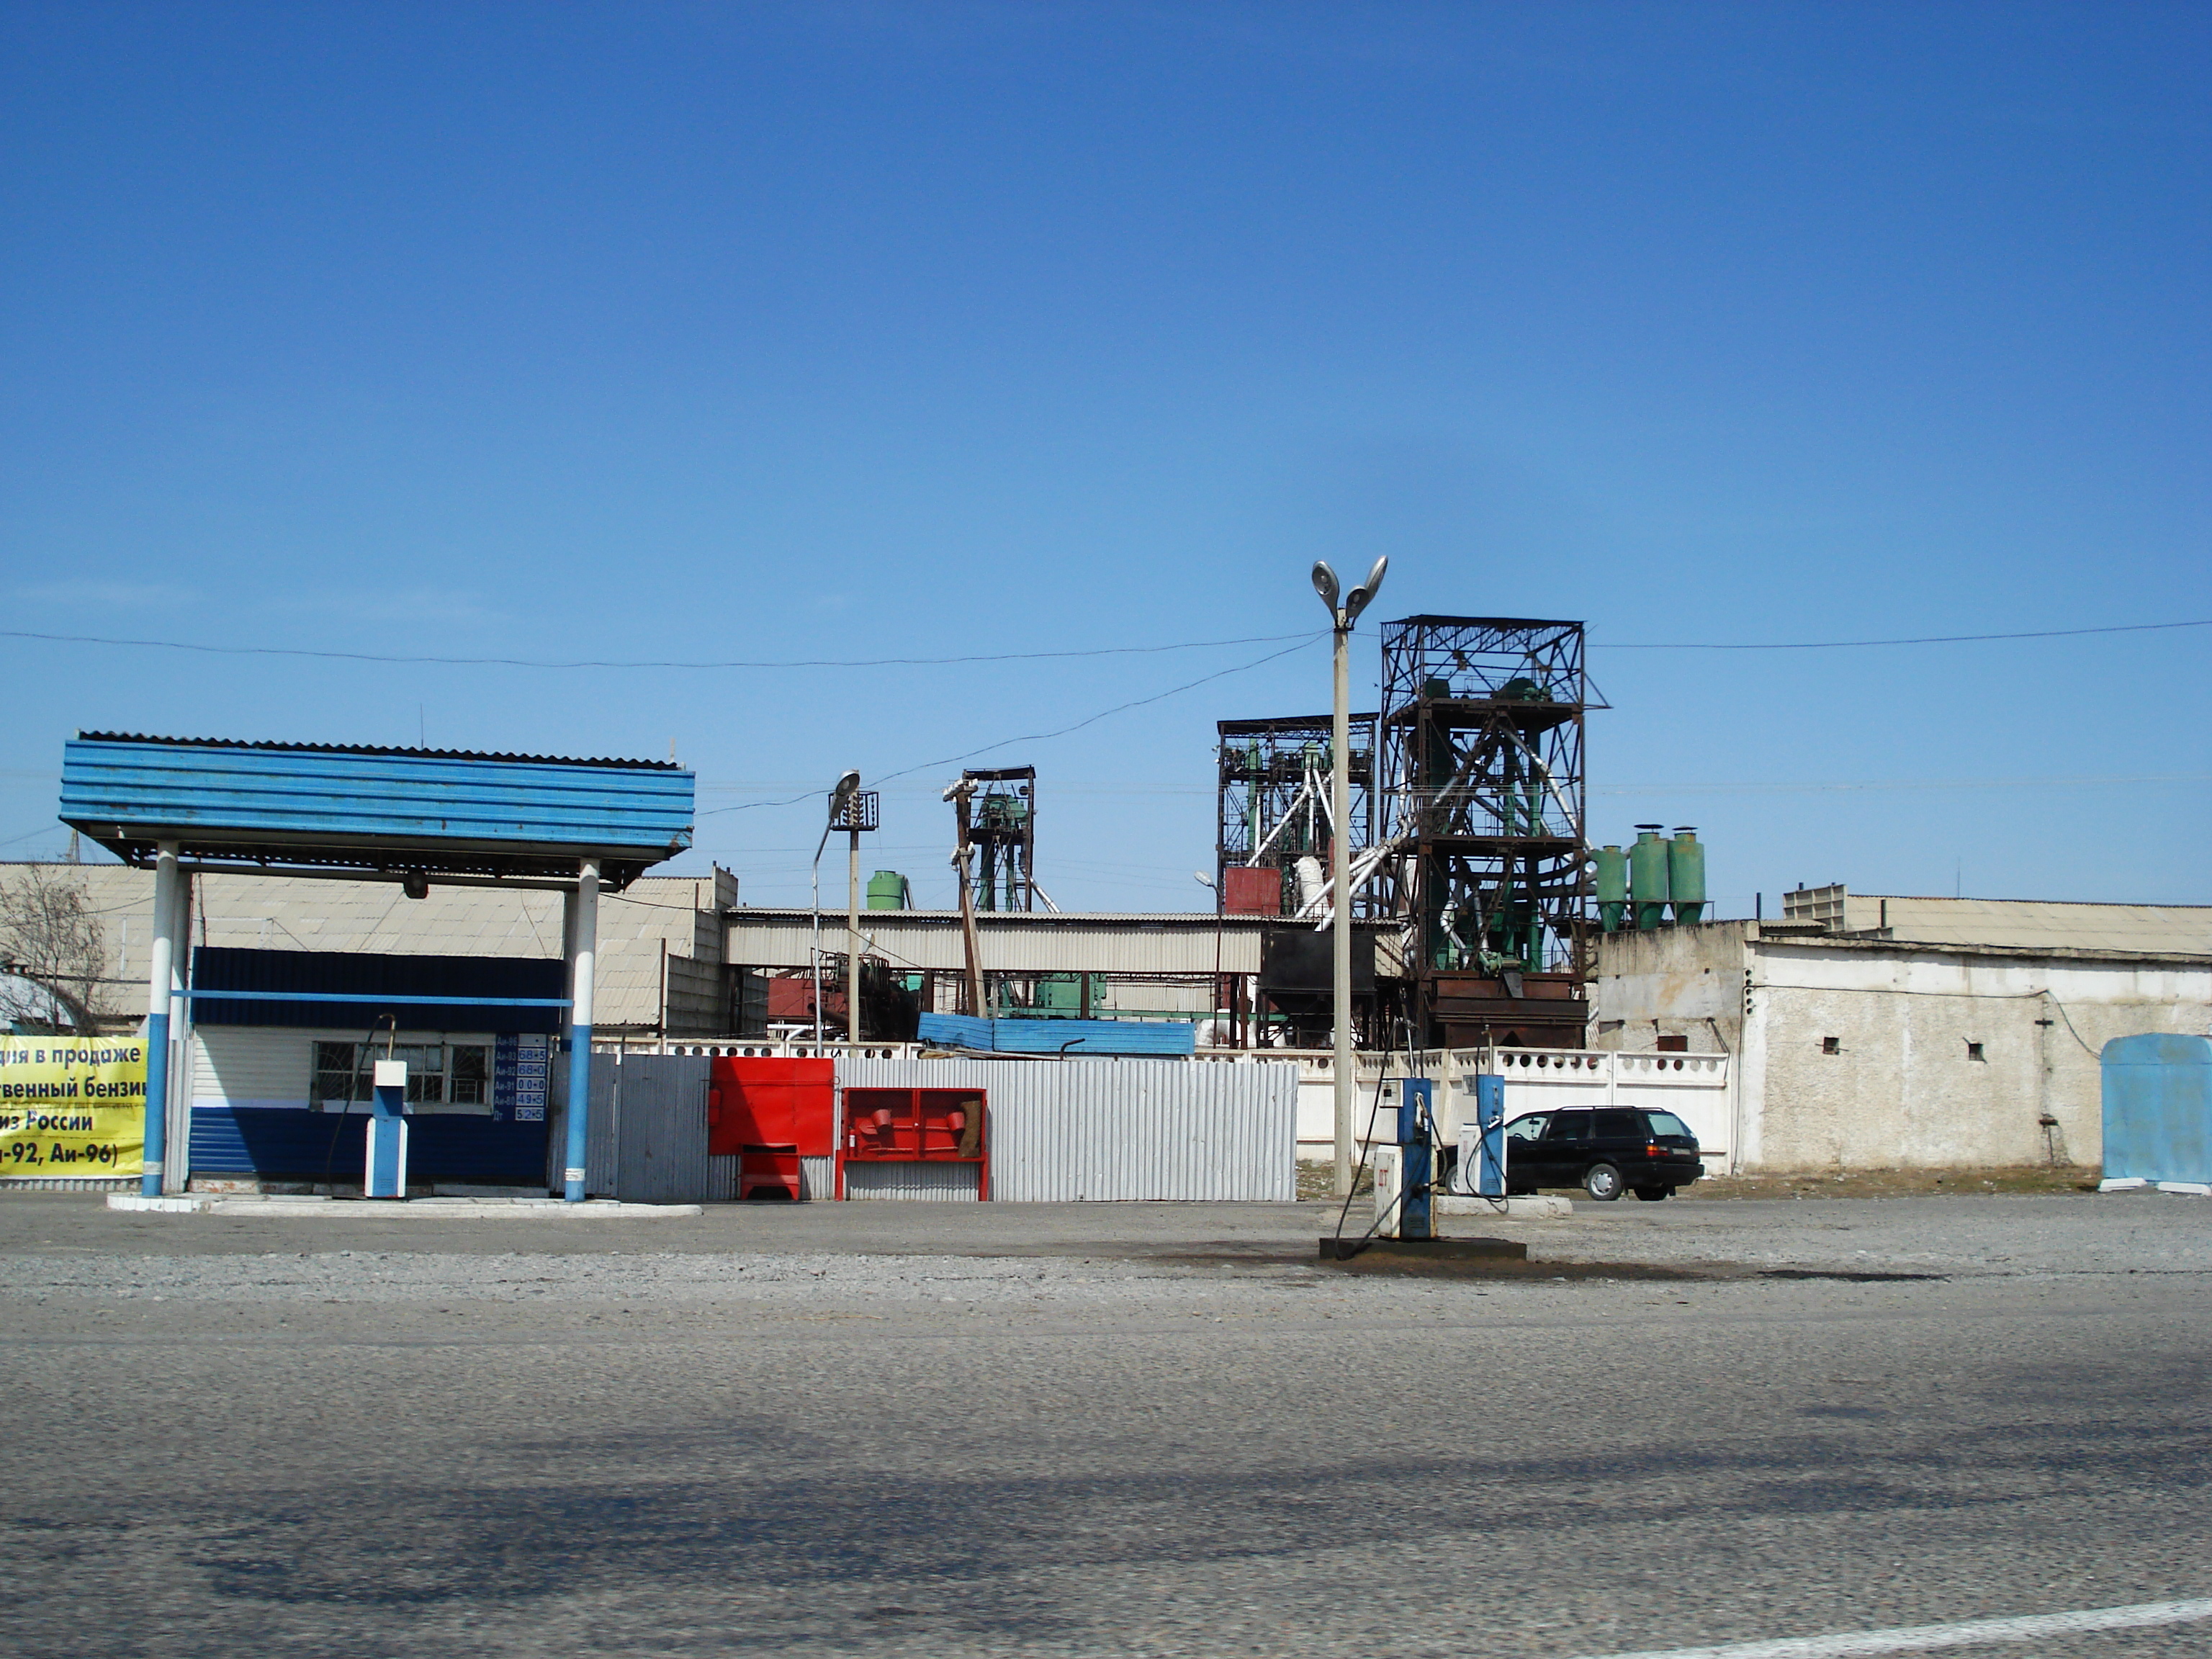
{"points": [[52, 946]]}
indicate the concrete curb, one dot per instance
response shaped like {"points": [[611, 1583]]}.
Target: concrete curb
{"points": [[1542, 1207], [413, 1209]]}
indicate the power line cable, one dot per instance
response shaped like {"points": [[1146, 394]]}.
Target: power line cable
{"points": [[1304, 640], [681, 665], [1855, 645], [534, 662]]}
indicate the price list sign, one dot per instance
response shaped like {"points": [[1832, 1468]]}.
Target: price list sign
{"points": [[521, 1062]]}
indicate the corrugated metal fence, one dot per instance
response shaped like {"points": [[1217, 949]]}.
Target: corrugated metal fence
{"points": [[1103, 1130], [1127, 1130], [647, 1136]]}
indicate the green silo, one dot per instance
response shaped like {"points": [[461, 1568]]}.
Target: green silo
{"points": [[1612, 888], [887, 890], [1685, 875], [1647, 877]]}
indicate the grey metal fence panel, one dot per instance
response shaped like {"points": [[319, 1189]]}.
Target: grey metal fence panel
{"points": [[648, 1133], [601, 1144], [941, 1182], [722, 1171], [1127, 1130]]}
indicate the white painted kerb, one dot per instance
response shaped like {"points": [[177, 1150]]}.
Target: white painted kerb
{"points": [[1920, 1638]]}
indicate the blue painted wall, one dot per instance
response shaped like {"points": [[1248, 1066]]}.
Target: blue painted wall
{"points": [[344, 988], [295, 1145]]}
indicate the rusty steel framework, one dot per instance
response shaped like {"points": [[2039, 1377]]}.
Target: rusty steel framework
{"points": [[1273, 806], [1484, 805]]}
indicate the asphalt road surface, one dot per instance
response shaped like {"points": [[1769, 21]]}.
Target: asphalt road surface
{"points": [[939, 1429]]}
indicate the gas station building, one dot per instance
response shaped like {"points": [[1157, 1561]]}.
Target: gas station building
{"points": [[189, 807]]}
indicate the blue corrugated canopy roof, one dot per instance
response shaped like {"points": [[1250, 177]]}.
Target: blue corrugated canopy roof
{"points": [[329, 806]]}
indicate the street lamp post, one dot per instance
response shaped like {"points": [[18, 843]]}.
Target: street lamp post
{"points": [[1343, 616], [853, 921], [839, 799]]}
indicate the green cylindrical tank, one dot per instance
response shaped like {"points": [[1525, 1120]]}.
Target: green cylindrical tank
{"points": [[1647, 877], [887, 890], [1612, 888], [1685, 875]]}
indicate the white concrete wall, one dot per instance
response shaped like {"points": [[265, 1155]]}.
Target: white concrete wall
{"points": [[1902, 1090], [1674, 981], [1699, 1088]]}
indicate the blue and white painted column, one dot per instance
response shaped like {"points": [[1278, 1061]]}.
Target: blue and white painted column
{"points": [[584, 947], [176, 1165], [158, 992]]}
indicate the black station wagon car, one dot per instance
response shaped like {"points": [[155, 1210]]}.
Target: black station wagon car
{"points": [[1602, 1150]]}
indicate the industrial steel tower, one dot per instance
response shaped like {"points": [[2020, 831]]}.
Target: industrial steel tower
{"points": [[1272, 810], [999, 820], [1483, 809]]}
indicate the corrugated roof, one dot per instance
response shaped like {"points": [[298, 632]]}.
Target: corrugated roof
{"points": [[2017, 924], [374, 749], [353, 808]]}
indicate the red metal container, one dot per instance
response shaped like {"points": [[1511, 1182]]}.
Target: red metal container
{"points": [[1255, 891], [790, 998], [753, 1101]]}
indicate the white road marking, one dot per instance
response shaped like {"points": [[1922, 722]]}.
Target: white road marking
{"points": [[1913, 1639]]}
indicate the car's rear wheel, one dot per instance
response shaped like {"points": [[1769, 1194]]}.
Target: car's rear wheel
{"points": [[1653, 1195], [1602, 1182]]}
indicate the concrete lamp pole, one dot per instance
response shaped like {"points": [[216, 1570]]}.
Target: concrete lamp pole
{"points": [[853, 921], [840, 797], [1343, 616]]}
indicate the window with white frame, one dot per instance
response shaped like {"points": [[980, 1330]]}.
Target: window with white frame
{"points": [[438, 1073]]}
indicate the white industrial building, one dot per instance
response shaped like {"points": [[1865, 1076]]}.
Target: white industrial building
{"points": [[1866, 1031]]}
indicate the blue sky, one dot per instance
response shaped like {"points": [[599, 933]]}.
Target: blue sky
{"points": [[853, 331]]}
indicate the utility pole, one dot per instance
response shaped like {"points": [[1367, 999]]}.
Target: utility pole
{"points": [[848, 807], [1344, 1064], [853, 927], [961, 794]]}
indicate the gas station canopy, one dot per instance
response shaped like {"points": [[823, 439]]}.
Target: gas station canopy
{"points": [[358, 811]]}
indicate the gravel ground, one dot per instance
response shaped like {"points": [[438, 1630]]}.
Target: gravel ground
{"points": [[1149, 1267], [2093, 1233], [1140, 1431]]}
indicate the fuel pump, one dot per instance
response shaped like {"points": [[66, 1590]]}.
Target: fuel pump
{"points": [[386, 1173], [1482, 1142], [1404, 1173]]}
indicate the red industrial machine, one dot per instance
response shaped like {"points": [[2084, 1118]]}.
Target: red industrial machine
{"points": [[770, 1114], [915, 1126]]}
